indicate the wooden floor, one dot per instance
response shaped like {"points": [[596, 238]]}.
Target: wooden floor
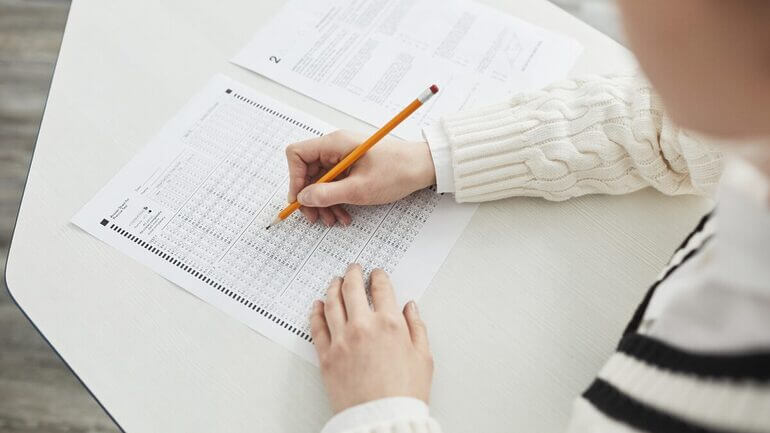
{"points": [[38, 393]]}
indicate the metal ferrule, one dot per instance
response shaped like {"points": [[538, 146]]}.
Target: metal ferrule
{"points": [[424, 96]]}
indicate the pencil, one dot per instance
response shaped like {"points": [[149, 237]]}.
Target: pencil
{"points": [[361, 149]]}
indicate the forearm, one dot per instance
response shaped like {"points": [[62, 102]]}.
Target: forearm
{"points": [[594, 135]]}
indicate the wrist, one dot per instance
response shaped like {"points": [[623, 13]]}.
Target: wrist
{"points": [[424, 173]]}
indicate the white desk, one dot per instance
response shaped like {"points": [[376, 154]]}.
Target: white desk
{"points": [[522, 314]]}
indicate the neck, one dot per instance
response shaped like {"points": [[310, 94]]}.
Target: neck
{"points": [[748, 164]]}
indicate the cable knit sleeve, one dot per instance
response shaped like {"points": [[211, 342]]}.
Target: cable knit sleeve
{"points": [[591, 135]]}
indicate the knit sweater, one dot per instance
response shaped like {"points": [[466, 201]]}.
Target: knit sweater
{"points": [[696, 354], [590, 135]]}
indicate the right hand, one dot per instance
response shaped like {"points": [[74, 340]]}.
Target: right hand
{"points": [[389, 171]]}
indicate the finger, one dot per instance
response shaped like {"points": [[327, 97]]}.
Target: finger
{"points": [[329, 160], [326, 216], [313, 171], [334, 309], [346, 190], [310, 213], [298, 167], [336, 145], [318, 328], [383, 298], [417, 329], [354, 293], [322, 150], [296, 184], [341, 214]]}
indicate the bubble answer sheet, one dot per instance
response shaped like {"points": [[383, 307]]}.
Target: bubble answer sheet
{"points": [[365, 57], [194, 203]]}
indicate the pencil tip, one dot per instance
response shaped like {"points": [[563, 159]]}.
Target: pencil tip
{"points": [[275, 221]]}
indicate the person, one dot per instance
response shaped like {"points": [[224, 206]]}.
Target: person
{"points": [[696, 354]]}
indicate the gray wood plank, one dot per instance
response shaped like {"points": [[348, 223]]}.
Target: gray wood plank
{"points": [[38, 393]]}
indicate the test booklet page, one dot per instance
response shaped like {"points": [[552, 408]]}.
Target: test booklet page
{"points": [[194, 203], [366, 57]]}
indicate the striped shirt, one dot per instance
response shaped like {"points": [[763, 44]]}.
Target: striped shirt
{"points": [[695, 356]]}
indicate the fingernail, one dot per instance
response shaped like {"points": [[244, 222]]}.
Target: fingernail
{"points": [[302, 197], [316, 304], [413, 306]]}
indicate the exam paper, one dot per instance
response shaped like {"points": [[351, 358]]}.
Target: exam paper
{"points": [[367, 57], [193, 206]]}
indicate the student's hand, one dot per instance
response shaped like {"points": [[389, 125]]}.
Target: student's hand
{"points": [[391, 170], [369, 353]]}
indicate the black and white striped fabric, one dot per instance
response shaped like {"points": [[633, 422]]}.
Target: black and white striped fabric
{"points": [[653, 385]]}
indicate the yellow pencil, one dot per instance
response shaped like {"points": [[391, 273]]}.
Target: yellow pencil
{"points": [[362, 148]]}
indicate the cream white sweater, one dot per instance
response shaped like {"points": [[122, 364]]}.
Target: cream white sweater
{"points": [[701, 335], [590, 135]]}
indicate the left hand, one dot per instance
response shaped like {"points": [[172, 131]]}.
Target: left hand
{"points": [[368, 354]]}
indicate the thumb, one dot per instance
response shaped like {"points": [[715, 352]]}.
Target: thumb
{"points": [[329, 193], [417, 329]]}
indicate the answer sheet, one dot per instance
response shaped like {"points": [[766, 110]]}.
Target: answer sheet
{"points": [[194, 203], [367, 57]]}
